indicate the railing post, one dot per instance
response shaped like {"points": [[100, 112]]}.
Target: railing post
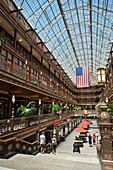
{"points": [[106, 138], [39, 112], [12, 116]]}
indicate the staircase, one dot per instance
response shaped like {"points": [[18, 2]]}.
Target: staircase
{"points": [[60, 161], [65, 159]]}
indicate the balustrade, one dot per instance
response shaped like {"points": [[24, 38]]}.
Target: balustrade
{"points": [[19, 71], [24, 122]]}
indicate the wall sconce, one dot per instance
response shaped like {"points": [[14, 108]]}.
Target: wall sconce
{"points": [[13, 99], [39, 101], [106, 99], [101, 76], [26, 62], [12, 116]]}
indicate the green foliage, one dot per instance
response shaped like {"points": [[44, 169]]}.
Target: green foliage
{"points": [[26, 111], [55, 92], [56, 108], [109, 89], [26, 35], [65, 108], [77, 108], [98, 108], [110, 108], [35, 83], [3, 40]]}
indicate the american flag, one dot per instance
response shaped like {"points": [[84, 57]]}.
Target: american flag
{"points": [[82, 77]]}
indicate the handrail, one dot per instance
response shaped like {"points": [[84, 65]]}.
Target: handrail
{"points": [[19, 139], [7, 140]]}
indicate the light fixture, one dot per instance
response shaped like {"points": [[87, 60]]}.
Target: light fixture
{"points": [[13, 99], [39, 101], [101, 76], [106, 99], [26, 62], [12, 116], [20, 40]]}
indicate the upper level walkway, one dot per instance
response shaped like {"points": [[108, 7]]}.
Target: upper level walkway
{"points": [[65, 159]]}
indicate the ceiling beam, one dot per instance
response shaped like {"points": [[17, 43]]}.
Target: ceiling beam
{"points": [[67, 28]]}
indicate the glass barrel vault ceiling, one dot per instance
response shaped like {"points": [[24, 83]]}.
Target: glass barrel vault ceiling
{"points": [[77, 32]]}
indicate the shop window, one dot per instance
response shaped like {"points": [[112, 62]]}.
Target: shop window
{"points": [[16, 60], [28, 68], [10, 56], [4, 52], [34, 72], [20, 63], [24, 65]]}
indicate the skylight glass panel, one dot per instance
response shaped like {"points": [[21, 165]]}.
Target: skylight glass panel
{"points": [[70, 26]]}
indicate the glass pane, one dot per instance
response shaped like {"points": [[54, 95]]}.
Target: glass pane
{"points": [[4, 52]]}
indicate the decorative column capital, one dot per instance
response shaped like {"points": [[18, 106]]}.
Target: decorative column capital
{"points": [[104, 116]]}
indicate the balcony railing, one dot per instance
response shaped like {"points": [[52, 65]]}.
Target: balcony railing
{"points": [[25, 122]]}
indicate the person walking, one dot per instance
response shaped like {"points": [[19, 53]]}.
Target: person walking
{"points": [[54, 144], [98, 147], [42, 142], [94, 139], [90, 140], [96, 134]]}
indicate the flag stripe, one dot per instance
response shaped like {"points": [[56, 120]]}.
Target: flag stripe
{"points": [[82, 77]]}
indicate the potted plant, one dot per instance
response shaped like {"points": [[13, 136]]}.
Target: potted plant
{"points": [[26, 111], [110, 109], [56, 108], [98, 108], [77, 108]]}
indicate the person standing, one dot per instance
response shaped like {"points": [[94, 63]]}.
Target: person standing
{"points": [[98, 147], [42, 142], [54, 144], [90, 140], [96, 134], [94, 139]]}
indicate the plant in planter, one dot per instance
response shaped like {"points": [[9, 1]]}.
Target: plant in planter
{"points": [[65, 108], [97, 108], [56, 108], [110, 108], [35, 83], [26, 111], [77, 108]]}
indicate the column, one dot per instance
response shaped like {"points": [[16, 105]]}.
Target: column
{"points": [[31, 49], [106, 138], [12, 116], [39, 111], [15, 38]]}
